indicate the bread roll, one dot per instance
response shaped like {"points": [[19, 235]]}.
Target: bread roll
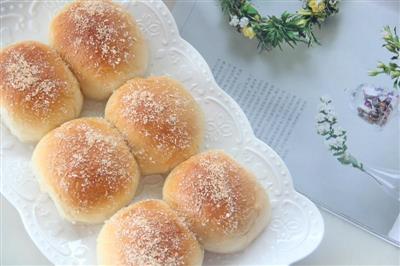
{"points": [[102, 44], [161, 121], [37, 90], [87, 169], [147, 233], [222, 202]]}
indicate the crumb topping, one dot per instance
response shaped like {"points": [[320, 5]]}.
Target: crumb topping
{"points": [[30, 80], [102, 30], [158, 116], [216, 192], [90, 164], [151, 237]]}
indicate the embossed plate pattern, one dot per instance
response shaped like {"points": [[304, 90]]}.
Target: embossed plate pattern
{"points": [[296, 228]]}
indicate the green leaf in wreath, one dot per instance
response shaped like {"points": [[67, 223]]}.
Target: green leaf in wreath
{"points": [[249, 9]]}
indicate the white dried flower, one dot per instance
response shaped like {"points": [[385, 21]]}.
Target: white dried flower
{"points": [[323, 128], [340, 141], [330, 117], [320, 117], [322, 107], [234, 21], [243, 22], [327, 108], [336, 143], [338, 131], [326, 99], [335, 136]]}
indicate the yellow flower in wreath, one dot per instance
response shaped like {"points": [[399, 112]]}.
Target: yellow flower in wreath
{"points": [[316, 6], [248, 32]]}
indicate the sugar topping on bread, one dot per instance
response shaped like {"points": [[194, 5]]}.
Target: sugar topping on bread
{"points": [[20, 74], [100, 27], [221, 201], [29, 78], [150, 234], [159, 118], [145, 242], [158, 115], [215, 189], [89, 163], [102, 44]]}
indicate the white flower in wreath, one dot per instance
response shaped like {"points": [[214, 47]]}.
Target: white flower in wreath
{"points": [[243, 22], [234, 21], [332, 2]]}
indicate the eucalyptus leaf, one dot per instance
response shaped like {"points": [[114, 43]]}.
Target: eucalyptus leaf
{"points": [[343, 160], [392, 44]]}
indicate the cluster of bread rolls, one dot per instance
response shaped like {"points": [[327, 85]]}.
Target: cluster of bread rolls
{"points": [[95, 43], [91, 167]]}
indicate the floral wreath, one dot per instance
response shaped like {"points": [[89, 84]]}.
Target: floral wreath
{"points": [[272, 31]]}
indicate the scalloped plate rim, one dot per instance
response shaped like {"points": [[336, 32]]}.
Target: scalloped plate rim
{"points": [[53, 257]]}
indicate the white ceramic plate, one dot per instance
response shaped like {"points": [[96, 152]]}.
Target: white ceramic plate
{"points": [[296, 228]]}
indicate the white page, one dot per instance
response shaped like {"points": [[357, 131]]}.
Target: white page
{"points": [[279, 92]]}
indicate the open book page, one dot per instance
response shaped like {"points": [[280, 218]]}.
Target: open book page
{"points": [[279, 91]]}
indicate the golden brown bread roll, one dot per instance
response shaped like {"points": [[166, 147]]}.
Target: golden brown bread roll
{"points": [[37, 90], [220, 200], [147, 233], [160, 119], [101, 43], [87, 169]]}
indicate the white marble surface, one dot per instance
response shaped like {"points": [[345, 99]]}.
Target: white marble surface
{"points": [[344, 244]]}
